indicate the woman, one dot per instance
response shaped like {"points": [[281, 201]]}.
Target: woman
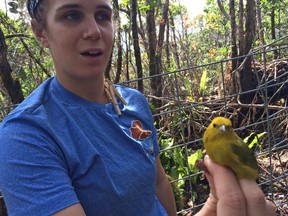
{"points": [[68, 150]]}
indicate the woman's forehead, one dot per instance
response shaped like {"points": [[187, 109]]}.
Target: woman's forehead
{"points": [[32, 4]]}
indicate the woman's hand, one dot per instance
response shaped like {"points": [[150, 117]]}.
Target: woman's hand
{"points": [[228, 196]]}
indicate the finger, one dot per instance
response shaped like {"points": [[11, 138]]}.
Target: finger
{"points": [[210, 179], [256, 203], [227, 189], [271, 208]]}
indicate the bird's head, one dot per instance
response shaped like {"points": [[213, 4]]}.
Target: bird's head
{"points": [[220, 124], [218, 128]]}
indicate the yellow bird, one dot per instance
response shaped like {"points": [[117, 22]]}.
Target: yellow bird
{"points": [[226, 148]]}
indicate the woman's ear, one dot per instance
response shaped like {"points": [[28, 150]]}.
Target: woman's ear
{"points": [[39, 33]]}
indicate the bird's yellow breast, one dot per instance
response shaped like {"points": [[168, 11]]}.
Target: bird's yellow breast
{"points": [[224, 147]]}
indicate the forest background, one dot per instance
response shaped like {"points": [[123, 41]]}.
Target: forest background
{"points": [[219, 62]]}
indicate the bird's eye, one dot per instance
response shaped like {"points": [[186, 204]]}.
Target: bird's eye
{"points": [[214, 125]]}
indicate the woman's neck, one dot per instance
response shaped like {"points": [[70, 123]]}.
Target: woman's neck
{"points": [[89, 89]]}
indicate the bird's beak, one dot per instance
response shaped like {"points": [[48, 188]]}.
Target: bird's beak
{"points": [[222, 128]]}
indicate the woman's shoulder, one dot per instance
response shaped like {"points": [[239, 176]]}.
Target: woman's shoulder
{"points": [[32, 103], [129, 93], [124, 88]]}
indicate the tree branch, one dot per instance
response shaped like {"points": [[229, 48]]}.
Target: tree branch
{"points": [[222, 9]]}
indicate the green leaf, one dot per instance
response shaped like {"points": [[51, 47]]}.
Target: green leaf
{"points": [[181, 182], [203, 82], [174, 172], [178, 157], [193, 158], [255, 140], [166, 143]]}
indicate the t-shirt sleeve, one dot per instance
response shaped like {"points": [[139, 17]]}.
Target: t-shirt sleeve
{"points": [[34, 179]]}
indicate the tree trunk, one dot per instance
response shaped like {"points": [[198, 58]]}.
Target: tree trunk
{"points": [[137, 52], [233, 33], [259, 22], [108, 68], [162, 26], [12, 86], [167, 49], [118, 42], [141, 31], [163, 23], [234, 51], [259, 26], [248, 80], [153, 67], [222, 9], [174, 42], [241, 30], [273, 26], [128, 52]]}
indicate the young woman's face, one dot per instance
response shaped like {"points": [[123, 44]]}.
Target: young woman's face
{"points": [[79, 35]]}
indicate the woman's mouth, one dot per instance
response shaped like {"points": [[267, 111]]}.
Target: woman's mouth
{"points": [[91, 53]]}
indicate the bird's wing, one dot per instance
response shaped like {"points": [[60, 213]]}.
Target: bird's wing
{"points": [[245, 155]]}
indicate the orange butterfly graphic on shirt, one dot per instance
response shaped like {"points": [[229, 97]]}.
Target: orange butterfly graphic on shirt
{"points": [[137, 131]]}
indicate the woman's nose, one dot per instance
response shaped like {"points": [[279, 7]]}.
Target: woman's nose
{"points": [[92, 30]]}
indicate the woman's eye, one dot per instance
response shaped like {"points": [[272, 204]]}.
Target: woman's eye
{"points": [[73, 16], [103, 16]]}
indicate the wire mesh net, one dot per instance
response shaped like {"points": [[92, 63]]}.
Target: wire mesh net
{"points": [[187, 108], [193, 96]]}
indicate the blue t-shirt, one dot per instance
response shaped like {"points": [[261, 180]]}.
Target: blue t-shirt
{"points": [[58, 149]]}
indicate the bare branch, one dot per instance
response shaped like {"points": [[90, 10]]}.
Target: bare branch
{"points": [[222, 9]]}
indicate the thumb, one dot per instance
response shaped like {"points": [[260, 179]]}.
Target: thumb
{"points": [[209, 176], [225, 189]]}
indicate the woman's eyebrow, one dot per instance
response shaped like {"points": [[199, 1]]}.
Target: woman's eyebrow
{"points": [[68, 6], [105, 7], [75, 6]]}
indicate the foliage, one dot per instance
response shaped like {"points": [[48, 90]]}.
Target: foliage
{"points": [[253, 139], [200, 40], [178, 165], [24, 54], [203, 83]]}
